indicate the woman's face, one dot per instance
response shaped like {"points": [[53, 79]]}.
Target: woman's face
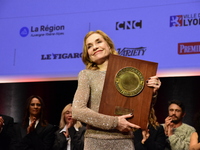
{"points": [[98, 48], [68, 116], [35, 107]]}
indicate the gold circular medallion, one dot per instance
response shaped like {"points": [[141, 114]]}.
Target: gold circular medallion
{"points": [[129, 81]]}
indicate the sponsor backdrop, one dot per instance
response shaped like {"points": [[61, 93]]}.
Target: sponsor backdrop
{"points": [[42, 40], [41, 44]]}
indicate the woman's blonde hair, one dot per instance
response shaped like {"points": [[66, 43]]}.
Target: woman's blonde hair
{"points": [[153, 118], [62, 119], [85, 57]]}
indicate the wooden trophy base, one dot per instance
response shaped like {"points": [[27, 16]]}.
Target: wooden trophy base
{"points": [[125, 90]]}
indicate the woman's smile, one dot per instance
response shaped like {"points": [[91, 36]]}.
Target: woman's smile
{"points": [[96, 52]]}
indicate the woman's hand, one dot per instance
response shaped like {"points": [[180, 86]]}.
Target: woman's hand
{"points": [[124, 125], [31, 127], [154, 82], [1, 122], [69, 124], [66, 134], [145, 135]]}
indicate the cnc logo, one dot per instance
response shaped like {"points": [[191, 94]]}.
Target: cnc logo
{"points": [[139, 51], [185, 20], [24, 31], [128, 25], [189, 48]]}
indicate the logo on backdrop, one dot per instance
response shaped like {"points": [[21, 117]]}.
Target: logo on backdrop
{"points": [[24, 31], [139, 51], [185, 20], [189, 48], [43, 30], [128, 25], [60, 56]]}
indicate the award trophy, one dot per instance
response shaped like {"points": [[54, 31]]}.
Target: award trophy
{"points": [[125, 90]]}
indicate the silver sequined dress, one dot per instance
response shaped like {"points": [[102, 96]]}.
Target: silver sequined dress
{"points": [[101, 133]]}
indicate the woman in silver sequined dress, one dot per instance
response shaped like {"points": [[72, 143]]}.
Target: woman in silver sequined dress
{"points": [[103, 132]]}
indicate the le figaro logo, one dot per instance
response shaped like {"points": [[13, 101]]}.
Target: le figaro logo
{"points": [[41, 31], [60, 56], [185, 20], [189, 48]]}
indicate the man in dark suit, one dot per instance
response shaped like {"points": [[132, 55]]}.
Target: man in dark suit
{"points": [[7, 134]]}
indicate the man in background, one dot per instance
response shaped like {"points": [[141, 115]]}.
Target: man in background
{"points": [[178, 133], [7, 134]]}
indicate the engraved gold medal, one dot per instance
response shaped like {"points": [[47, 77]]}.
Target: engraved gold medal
{"points": [[129, 81]]}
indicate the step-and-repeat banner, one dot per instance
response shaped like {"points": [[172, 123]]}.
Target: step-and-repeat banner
{"points": [[42, 40]]}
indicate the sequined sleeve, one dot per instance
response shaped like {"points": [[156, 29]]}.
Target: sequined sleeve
{"points": [[82, 112]]}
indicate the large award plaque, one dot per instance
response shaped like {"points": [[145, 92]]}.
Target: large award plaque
{"points": [[125, 90]]}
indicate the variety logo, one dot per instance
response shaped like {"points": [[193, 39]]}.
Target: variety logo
{"points": [[60, 56], [127, 25], [185, 20], [131, 51], [40, 31], [189, 48]]}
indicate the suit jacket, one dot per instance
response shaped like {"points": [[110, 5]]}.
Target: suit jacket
{"points": [[7, 134], [77, 139], [41, 138], [156, 140]]}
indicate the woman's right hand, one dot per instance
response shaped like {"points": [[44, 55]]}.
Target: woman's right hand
{"points": [[31, 127], [125, 126], [1, 122]]}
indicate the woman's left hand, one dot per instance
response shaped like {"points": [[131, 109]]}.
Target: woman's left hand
{"points": [[145, 135], [154, 82]]}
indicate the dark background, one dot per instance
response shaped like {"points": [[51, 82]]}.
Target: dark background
{"points": [[57, 94]]}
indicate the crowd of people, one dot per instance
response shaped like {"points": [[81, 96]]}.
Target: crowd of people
{"points": [[35, 133], [82, 127]]}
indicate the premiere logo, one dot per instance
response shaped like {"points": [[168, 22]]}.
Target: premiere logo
{"points": [[127, 25], [185, 20], [189, 48], [131, 51]]}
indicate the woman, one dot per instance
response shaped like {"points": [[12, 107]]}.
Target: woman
{"points": [[151, 139], [104, 132], [35, 133], [70, 135]]}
